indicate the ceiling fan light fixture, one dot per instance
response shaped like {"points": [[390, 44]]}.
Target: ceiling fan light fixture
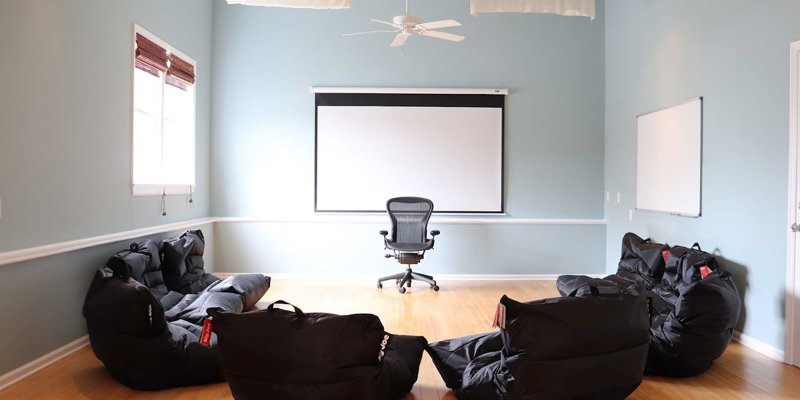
{"points": [[407, 20]]}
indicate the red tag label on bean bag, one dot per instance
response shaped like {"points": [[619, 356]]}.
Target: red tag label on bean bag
{"points": [[665, 254], [205, 335], [704, 271], [499, 320]]}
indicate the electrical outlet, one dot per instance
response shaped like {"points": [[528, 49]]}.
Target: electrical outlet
{"points": [[630, 215], [619, 197], [608, 196]]}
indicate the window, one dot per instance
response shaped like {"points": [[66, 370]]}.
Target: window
{"points": [[163, 118]]}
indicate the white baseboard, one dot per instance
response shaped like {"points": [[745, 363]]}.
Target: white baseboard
{"points": [[278, 276], [32, 367], [503, 277], [759, 346]]}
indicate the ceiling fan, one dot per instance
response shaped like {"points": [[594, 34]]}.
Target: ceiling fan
{"points": [[406, 25]]}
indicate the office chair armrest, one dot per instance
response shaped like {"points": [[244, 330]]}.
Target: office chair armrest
{"points": [[433, 238], [385, 240]]}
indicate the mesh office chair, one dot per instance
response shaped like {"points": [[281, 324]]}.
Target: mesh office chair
{"points": [[408, 241]]}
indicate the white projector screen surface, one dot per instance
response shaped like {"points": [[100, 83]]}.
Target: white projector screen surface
{"points": [[669, 159], [369, 154]]}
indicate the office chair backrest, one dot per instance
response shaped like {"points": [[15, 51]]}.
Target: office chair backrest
{"points": [[410, 217]]}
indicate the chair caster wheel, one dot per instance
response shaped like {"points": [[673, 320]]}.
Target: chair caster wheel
{"points": [[409, 283], [380, 285], [435, 288], [402, 289], [397, 282]]}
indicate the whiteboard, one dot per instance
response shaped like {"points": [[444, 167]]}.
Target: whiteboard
{"points": [[669, 148], [452, 155]]}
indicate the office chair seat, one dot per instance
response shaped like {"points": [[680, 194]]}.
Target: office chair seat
{"points": [[410, 246]]}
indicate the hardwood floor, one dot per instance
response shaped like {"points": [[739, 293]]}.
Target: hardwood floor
{"points": [[460, 308]]}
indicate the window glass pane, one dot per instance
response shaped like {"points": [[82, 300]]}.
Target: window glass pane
{"points": [[146, 149], [146, 127], [146, 91], [178, 140]]}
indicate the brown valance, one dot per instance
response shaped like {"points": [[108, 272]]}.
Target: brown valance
{"points": [[150, 57], [181, 71]]}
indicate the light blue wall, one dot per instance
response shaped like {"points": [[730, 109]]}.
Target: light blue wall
{"points": [[65, 116], [65, 152], [736, 55], [266, 59], [356, 249]]}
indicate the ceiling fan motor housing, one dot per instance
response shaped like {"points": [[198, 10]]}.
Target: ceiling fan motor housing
{"points": [[407, 21]]}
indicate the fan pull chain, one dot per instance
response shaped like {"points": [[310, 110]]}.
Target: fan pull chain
{"points": [[164, 202]]}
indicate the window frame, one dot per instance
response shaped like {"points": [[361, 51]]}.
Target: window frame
{"points": [[152, 189]]}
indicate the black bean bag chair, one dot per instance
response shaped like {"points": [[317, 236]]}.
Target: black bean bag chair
{"points": [[591, 347], [642, 260], [695, 310], [288, 355], [184, 270], [694, 305], [145, 332]]}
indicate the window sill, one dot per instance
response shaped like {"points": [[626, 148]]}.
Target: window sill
{"points": [[158, 190]]}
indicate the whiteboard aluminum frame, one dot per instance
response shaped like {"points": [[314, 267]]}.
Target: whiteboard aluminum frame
{"points": [[702, 128]]}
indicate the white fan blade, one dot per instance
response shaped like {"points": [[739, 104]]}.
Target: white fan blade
{"points": [[445, 23], [443, 35], [400, 39], [392, 24], [362, 33]]}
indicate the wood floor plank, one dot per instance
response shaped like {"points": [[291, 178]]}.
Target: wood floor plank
{"points": [[459, 308]]}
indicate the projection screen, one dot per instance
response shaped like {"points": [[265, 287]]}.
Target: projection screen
{"points": [[443, 146]]}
